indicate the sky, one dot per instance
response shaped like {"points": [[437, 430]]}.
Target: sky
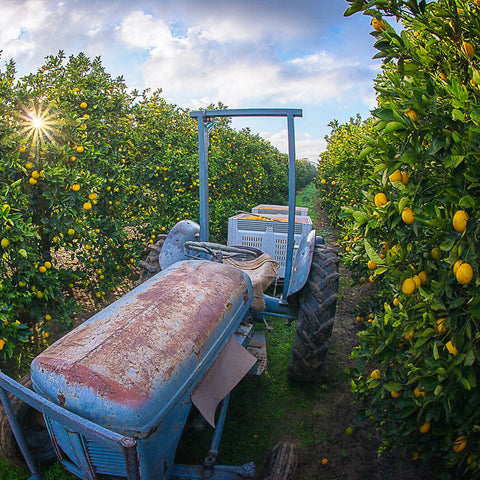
{"points": [[243, 53]]}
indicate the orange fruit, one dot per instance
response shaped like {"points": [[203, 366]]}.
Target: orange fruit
{"points": [[32, 181], [22, 149], [408, 286], [378, 24], [380, 199], [460, 221], [405, 178], [349, 430], [48, 265], [396, 176], [408, 215], [423, 277], [412, 114], [441, 325], [376, 374], [71, 231], [324, 461], [87, 206], [417, 392], [80, 149], [425, 428], [452, 348], [75, 187], [460, 443], [468, 49], [372, 265], [5, 242], [92, 196], [42, 269], [83, 105], [395, 394], [464, 274], [436, 253], [456, 265]]}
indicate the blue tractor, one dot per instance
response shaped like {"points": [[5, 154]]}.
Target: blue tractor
{"points": [[112, 397]]}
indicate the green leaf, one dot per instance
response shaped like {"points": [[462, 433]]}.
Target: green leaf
{"points": [[436, 355], [465, 383], [438, 390], [467, 201], [469, 358], [23, 253], [404, 201], [393, 386], [360, 217], [393, 126], [372, 254]]}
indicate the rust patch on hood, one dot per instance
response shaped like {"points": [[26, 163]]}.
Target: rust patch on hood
{"points": [[140, 341]]}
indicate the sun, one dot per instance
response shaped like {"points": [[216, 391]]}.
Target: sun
{"points": [[38, 124]]}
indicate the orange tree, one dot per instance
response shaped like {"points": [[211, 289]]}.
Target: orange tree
{"points": [[90, 173], [421, 229]]}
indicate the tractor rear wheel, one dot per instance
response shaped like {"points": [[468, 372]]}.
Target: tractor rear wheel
{"points": [[281, 462], [316, 314], [34, 430]]}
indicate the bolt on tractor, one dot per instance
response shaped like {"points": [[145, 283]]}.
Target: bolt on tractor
{"points": [[112, 397]]}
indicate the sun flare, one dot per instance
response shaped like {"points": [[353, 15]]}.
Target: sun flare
{"points": [[37, 124]]}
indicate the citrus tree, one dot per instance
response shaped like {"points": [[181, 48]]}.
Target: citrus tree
{"points": [[419, 221], [90, 173]]}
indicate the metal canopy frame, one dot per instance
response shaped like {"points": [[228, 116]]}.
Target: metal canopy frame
{"points": [[203, 117]]}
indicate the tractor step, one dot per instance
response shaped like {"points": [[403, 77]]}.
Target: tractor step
{"points": [[258, 348]]}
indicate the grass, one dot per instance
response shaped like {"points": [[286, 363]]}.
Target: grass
{"points": [[262, 411]]}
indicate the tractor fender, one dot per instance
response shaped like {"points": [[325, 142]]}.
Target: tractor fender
{"points": [[172, 249], [302, 263]]}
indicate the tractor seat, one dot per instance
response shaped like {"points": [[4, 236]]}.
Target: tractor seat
{"points": [[262, 271]]}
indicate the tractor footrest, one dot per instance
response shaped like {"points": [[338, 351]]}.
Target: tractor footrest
{"points": [[258, 348]]}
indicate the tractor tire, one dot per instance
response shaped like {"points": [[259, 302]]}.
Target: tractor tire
{"points": [[281, 462], [34, 430], [151, 265], [316, 315]]}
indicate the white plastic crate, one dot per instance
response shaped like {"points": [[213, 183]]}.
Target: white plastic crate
{"points": [[278, 210], [268, 233]]}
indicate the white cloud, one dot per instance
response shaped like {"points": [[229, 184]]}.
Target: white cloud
{"points": [[305, 145]]}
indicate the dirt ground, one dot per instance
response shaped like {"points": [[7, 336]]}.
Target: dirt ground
{"points": [[354, 456]]}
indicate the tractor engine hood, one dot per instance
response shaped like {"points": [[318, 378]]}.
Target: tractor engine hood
{"points": [[127, 366]]}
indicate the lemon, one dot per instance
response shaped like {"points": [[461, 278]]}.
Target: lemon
{"points": [[5, 242], [460, 221], [408, 286], [408, 215], [380, 199], [425, 428], [71, 231], [464, 274]]}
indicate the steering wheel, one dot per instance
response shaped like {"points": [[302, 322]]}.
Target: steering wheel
{"points": [[218, 251]]}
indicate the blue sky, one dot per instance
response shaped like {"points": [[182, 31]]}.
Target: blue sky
{"points": [[245, 54]]}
